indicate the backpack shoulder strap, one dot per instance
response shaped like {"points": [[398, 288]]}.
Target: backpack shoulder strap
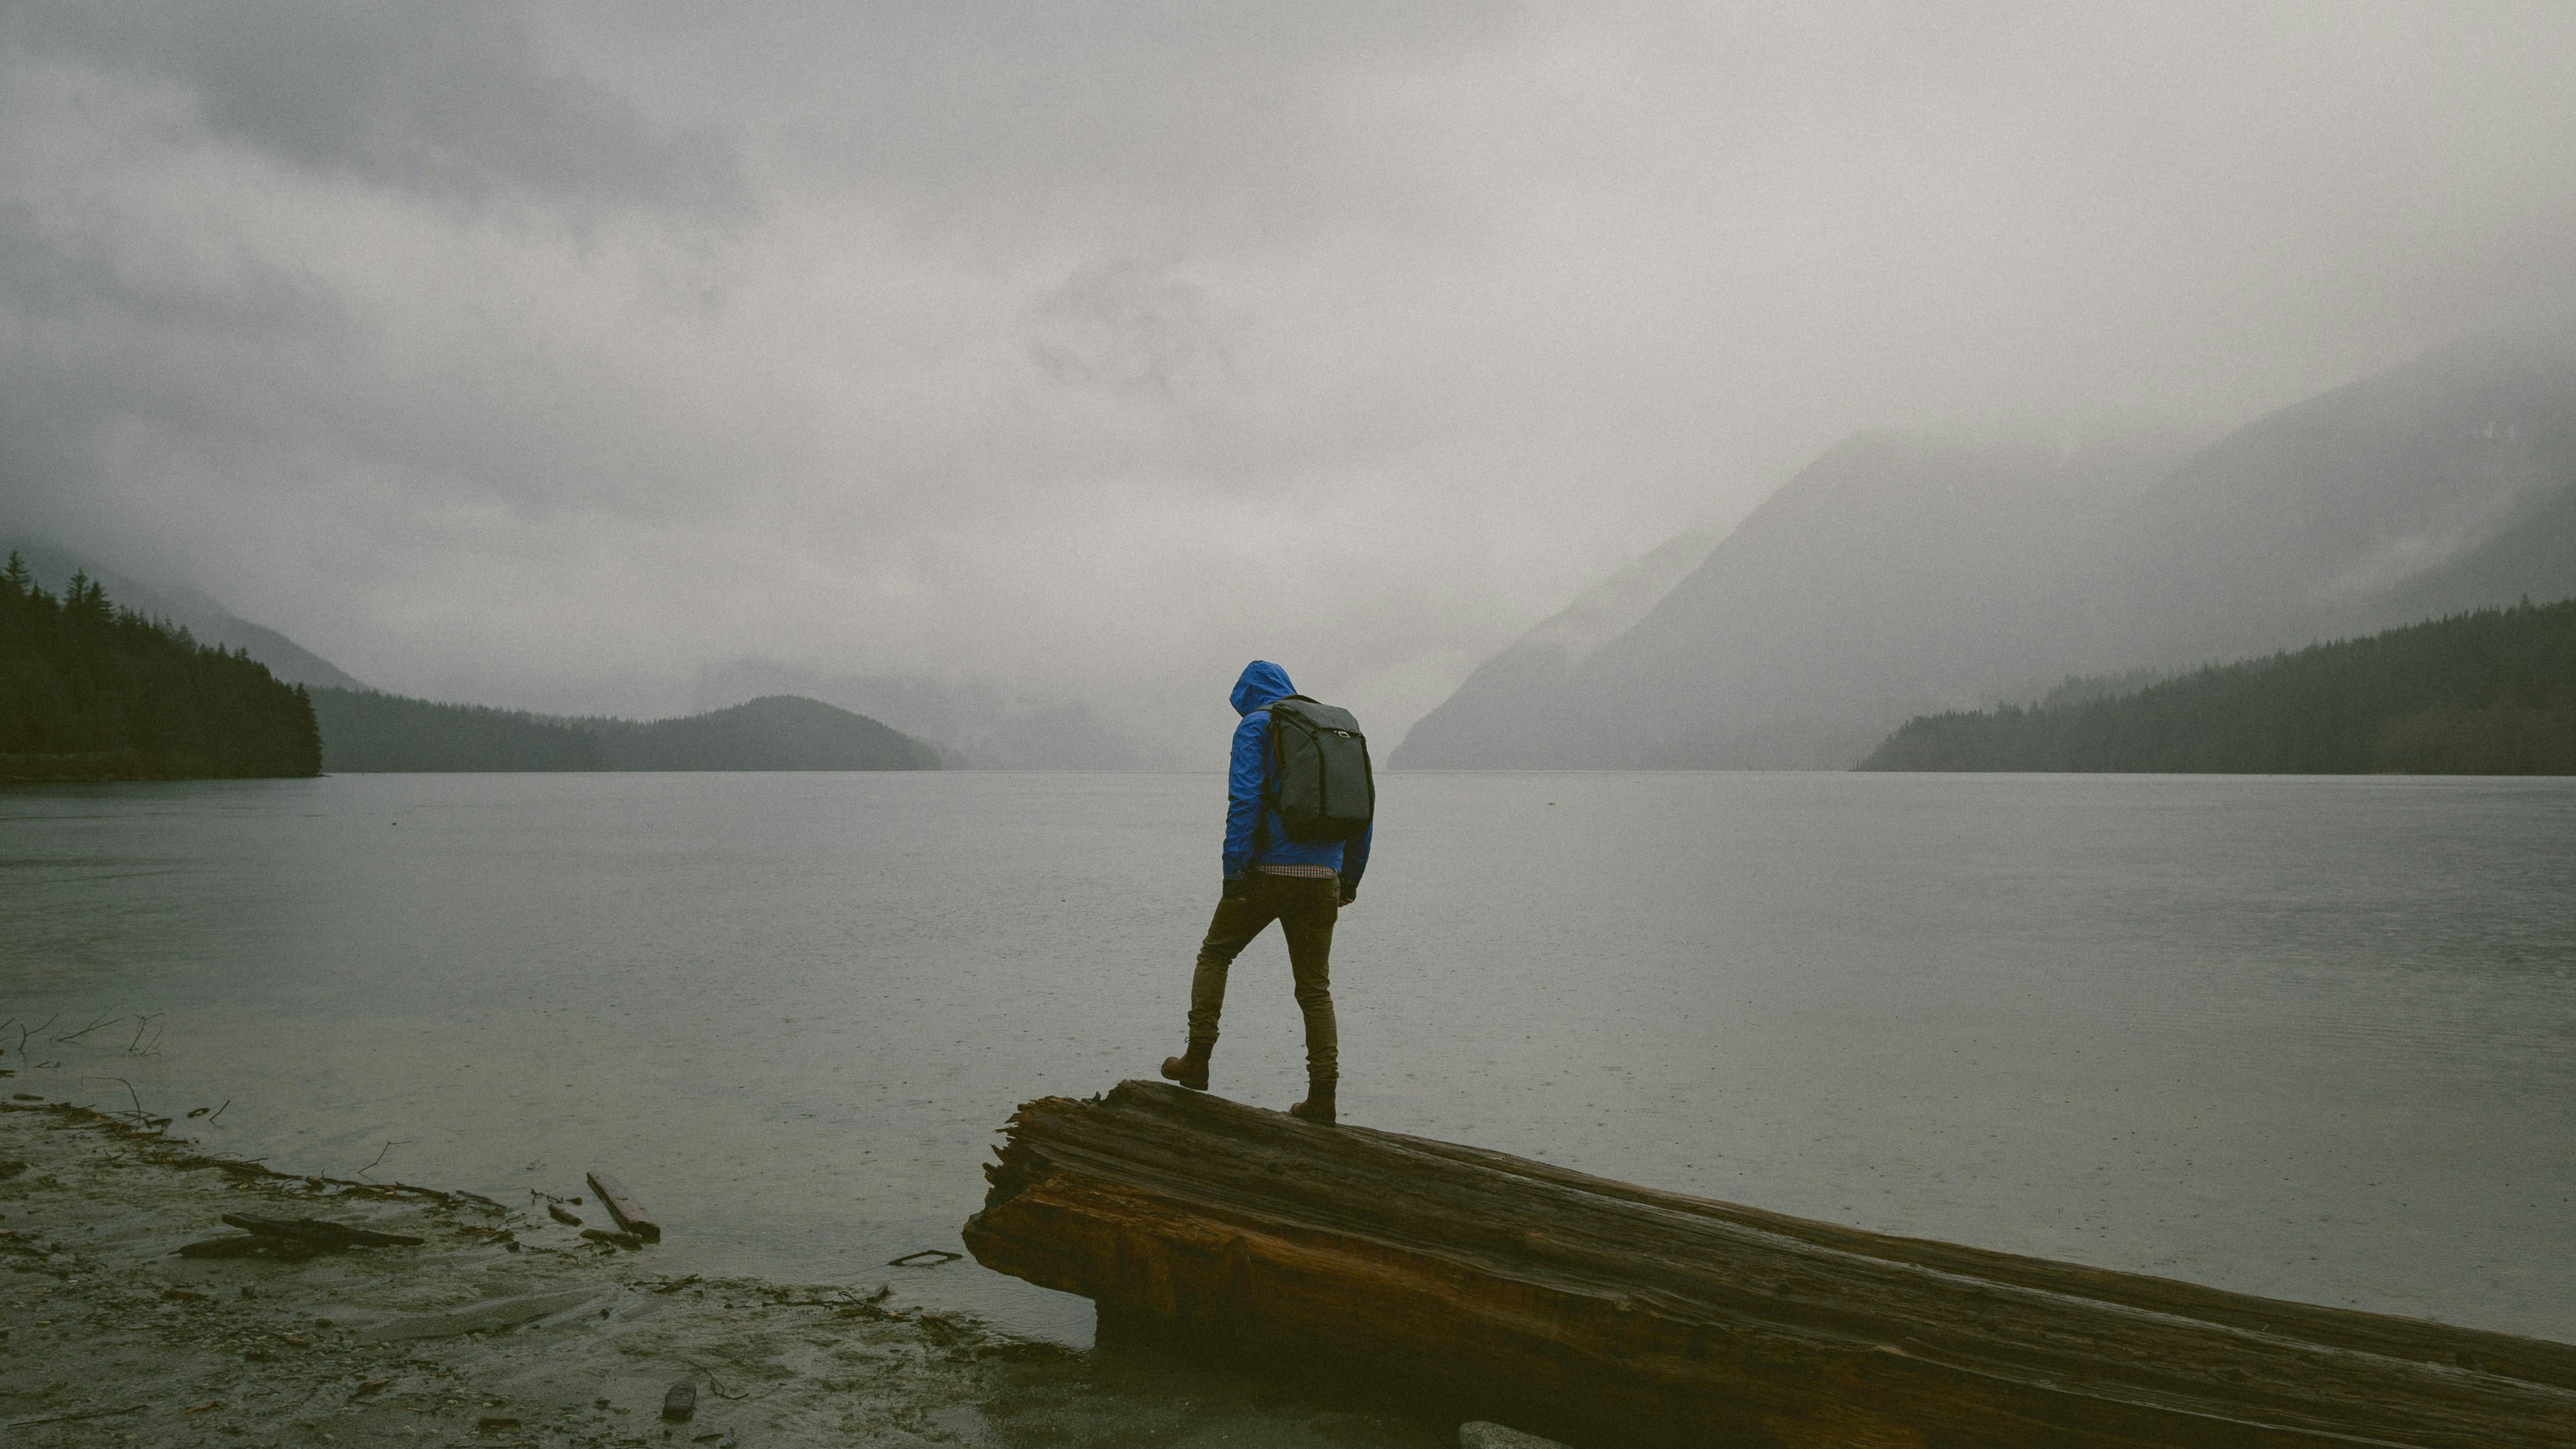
{"points": [[1274, 759]]}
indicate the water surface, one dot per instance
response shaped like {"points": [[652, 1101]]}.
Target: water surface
{"points": [[2313, 1038]]}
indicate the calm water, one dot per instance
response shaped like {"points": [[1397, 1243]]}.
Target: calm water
{"points": [[2312, 1038]]}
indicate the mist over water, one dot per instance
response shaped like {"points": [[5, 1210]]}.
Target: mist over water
{"points": [[2313, 1038]]}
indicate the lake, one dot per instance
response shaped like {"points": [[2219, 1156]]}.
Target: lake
{"points": [[2313, 1038]]}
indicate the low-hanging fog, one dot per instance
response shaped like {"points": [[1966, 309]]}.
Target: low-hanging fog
{"points": [[557, 355]]}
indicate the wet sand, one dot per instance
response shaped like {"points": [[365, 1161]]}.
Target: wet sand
{"points": [[506, 1327]]}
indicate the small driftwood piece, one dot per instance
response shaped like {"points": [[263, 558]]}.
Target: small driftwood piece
{"points": [[1602, 1313], [333, 1236], [78, 1415], [563, 1215], [622, 1206], [251, 1245], [680, 1401], [1482, 1435]]}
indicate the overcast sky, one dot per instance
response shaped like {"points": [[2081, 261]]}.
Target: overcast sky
{"points": [[539, 355]]}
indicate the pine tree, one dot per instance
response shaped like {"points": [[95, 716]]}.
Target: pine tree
{"points": [[89, 690]]}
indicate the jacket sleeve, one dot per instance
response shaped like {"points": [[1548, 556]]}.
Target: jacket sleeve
{"points": [[1246, 773], [1355, 859]]}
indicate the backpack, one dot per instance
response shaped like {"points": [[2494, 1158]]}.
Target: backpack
{"points": [[1320, 782]]}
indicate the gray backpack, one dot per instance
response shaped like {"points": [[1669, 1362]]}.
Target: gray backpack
{"points": [[1320, 782]]}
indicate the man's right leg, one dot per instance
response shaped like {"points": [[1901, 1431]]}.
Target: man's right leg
{"points": [[1308, 924], [1237, 920]]}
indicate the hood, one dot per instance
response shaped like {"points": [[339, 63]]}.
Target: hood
{"points": [[1262, 683]]}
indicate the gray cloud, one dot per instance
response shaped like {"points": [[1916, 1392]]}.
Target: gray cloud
{"points": [[442, 98], [1124, 325], [548, 354]]}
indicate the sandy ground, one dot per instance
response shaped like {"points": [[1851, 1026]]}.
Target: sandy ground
{"points": [[505, 1327]]}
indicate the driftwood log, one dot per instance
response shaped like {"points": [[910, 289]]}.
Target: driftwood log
{"points": [[1604, 1313]]}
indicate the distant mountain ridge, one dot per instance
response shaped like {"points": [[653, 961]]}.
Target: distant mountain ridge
{"points": [[2533, 556], [1903, 574], [367, 732], [976, 724], [1792, 643], [1480, 719]]}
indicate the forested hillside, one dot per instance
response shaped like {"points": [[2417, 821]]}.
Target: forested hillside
{"points": [[2491, 692], [91, 691], [364, 731], [977, 724], [367, 732], [778, 732], [175, 604]]}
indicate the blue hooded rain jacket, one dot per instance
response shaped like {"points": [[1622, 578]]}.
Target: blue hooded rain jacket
{"points": [[1251, 840]]}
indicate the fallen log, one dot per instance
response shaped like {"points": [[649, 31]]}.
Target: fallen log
{"points": [[1604, 1313]]}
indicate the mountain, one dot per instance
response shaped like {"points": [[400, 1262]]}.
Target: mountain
{"points": [[1833, 606], [775, 732], [204, 619], [1906, 573], [2492, 692], [970, 724], [90, 690], [2355, 509], [1486, 718], [976, 725], [2532, 557], [367, 732]]}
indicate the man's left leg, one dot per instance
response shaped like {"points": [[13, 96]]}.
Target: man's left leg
{"points": [[1308, 924]]}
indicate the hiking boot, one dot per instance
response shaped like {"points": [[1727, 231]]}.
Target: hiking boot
{"points": [[1318, 1106], [1191, 1068]]}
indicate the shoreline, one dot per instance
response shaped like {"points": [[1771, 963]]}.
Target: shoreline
{"points": [[490, 1331], [503, 1326]]}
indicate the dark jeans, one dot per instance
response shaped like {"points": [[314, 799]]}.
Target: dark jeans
{"points": [[1305, 910]]}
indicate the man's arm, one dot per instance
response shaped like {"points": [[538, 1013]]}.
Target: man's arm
{"points": [[1355, 861], [1246, 772]]}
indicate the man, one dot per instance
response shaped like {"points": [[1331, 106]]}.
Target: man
{"points": [[1269, 877]]}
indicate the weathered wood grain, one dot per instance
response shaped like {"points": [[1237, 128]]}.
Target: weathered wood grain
{"points": [[1605, 1313]]}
